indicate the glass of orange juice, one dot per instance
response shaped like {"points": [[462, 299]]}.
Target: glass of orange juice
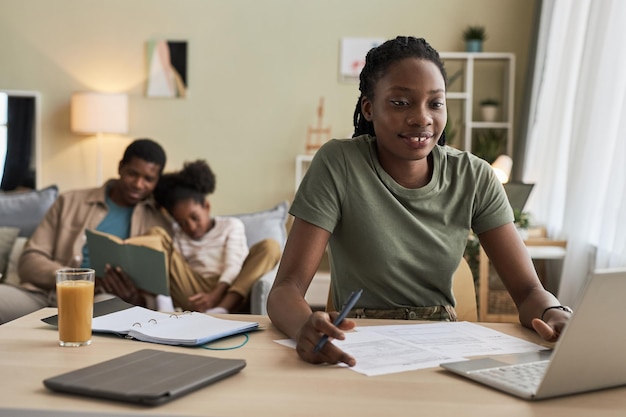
{"points": [[75, 288]]}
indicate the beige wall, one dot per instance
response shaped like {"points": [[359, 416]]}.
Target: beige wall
{"points": [[257, 69]]}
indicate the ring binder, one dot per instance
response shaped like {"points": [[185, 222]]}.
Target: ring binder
{"points": [[186, 329]]}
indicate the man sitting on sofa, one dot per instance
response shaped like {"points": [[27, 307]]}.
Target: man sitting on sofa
{"points": [[122, 207]]}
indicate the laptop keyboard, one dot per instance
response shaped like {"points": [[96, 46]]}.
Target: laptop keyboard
{"points": [[525, 375]]}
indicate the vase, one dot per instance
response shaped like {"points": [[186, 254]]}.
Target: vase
{"points": [[523, 232], [474, 45], [489, 113]]}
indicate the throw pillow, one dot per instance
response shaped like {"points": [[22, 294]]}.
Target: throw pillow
{"points": [[266, 224], [7, 238], [12, 277], [25, 210]]}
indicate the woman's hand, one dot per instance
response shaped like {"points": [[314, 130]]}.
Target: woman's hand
{"points": [[117, 282], [551, 327], [318, 325]]}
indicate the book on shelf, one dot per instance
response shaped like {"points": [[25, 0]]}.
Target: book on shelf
{"points": [[140, 257], [179, 329]]}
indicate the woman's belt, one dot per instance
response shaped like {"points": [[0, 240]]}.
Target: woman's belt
{"points": [[433, 313]]}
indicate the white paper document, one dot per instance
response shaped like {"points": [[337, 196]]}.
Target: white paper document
{"points": [[381, 350], [379, 354], [461, 338]]}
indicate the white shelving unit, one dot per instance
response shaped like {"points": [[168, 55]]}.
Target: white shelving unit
{"points": [[468, 92], [302, 163]]}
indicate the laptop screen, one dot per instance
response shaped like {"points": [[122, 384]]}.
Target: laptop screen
{"points": [[518, 194]]}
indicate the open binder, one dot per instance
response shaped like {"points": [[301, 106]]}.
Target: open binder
{"points": [[183, 329]]}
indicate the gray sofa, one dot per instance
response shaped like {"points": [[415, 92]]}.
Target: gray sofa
{"points": [[20, 213], [261, 225]]}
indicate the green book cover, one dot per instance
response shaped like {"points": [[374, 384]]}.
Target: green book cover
{"points": [[144, 265]]}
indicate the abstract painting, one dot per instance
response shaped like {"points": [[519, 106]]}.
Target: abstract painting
{"points": [[167, 69]]}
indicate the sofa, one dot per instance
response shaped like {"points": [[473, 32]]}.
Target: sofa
{"points": [[21, 212]]}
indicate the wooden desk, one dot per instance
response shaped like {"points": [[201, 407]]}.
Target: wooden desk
{"points": [[274, 383]]}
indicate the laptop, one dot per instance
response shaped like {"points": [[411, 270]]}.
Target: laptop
{"points": [[518, 194], [588, 356], [147, 376]]}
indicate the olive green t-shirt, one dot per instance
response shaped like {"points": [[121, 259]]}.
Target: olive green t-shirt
{"points": [[400, 245]]}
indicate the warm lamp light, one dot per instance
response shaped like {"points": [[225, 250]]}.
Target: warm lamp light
{"points": [[502, 167], [98, 113]]}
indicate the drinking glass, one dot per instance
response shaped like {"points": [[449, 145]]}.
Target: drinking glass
{"points": [[75, 288]]}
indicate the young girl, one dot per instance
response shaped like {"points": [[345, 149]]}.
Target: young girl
{"points": [[218, 270], [396, 208]]}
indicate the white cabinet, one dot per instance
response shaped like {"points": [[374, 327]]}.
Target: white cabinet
{"points": [[473, 78], [302, 163], [317, 293]]}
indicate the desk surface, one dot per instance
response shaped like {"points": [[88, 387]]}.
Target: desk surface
{"points": [[275, 381]]}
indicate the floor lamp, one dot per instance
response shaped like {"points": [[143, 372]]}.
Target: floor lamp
{"points": [[99, 113], [502, 167]]}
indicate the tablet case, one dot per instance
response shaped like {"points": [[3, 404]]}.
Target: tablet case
{"points": [[147, 377], [101, 308]]}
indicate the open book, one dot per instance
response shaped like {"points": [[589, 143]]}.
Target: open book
{"points": [[183, 329], [140, 257]]}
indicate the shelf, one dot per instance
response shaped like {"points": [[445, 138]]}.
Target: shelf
{"points": [[457, 96], [494, 302], [472, 78]]}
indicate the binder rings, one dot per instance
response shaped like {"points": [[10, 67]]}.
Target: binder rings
{"points": [[148, 376], [183, 329]]}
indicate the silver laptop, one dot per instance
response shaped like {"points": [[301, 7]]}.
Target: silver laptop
{"points": [[590, 354]]}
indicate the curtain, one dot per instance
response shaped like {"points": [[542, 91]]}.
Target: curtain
{"points": [[18, 170], [575, 151]]}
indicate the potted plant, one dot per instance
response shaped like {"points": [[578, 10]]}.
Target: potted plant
{"points": [[489, 109], [522, 222], [488, 144], [474, 37]]}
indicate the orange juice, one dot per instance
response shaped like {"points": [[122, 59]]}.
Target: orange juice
{"points": [[75, 301]]}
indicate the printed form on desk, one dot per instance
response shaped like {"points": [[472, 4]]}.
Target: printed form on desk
{"points": [[381, 350]]}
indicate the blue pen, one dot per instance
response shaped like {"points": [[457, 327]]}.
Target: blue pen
{"points": [[354, 297]]}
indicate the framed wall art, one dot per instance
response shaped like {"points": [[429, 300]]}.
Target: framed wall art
{"points": [[167, 69], [352, 56]]}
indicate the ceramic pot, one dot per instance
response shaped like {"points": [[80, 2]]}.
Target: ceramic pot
{"points": [[474, 45], [489, 113]]}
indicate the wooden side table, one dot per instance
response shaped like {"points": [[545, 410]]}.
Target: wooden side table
{"points": [[494, 302]]}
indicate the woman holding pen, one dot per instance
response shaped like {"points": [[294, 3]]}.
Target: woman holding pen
{"points": [[396, 206]]}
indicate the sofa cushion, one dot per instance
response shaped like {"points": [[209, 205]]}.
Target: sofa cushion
{"points": [[7, 239], [11, 275], [25, 210], [266, 224]]}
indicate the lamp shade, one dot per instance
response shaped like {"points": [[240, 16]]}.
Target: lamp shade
{"points": [[94, 112], [502, 167]]}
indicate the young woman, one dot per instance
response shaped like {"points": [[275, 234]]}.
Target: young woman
{"points": [[396, 206], [217, 271]]}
